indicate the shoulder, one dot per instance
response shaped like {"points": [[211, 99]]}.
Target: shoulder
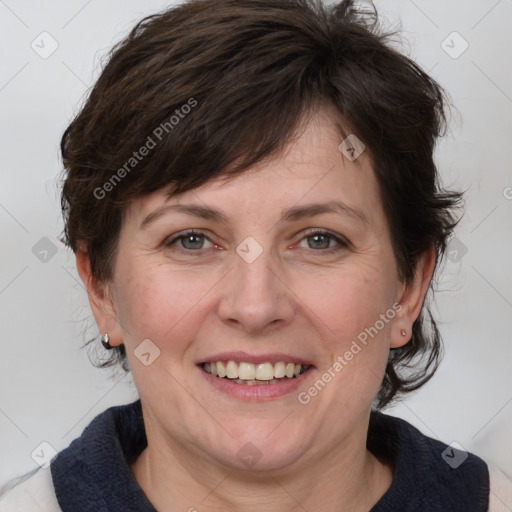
{"points": [[428, 474], [94, 471], [500, 497], [32, 492]]}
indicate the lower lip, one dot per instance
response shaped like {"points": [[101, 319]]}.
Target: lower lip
{"points": [[256, 391]]}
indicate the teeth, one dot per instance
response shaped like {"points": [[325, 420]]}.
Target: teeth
{"points": [[232, 370], [246, 371], [279, 370], [265, 371], [255, 382], [250, 374], [221, 369]]}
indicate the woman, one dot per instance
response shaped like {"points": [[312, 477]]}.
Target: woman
{"points": [[255, 212]]}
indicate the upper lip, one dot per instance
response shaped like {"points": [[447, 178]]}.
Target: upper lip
{"points": [[245, 357]]}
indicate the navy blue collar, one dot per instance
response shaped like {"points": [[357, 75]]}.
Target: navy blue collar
{"points": [[427, 475], [93, 474]]}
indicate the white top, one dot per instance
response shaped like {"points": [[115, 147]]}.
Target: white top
{"points": [[500, 498], [32, 492]]}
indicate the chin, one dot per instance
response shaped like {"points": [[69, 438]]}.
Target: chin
{"points": [[262, 449]]}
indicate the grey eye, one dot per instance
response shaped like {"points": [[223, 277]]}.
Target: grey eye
{"points": [[192, 242]]}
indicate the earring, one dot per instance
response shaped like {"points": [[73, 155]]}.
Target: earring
{"points": [[105, 342], [403, 332]]}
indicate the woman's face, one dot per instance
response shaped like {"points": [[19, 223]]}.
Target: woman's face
{"points": [[291, 262]]}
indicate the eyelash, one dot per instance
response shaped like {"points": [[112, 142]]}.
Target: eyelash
{"points": [[341, 242]]}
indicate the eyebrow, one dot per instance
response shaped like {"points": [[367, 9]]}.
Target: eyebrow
{"points": [[203, 212], [309, 210], [289, 215]]}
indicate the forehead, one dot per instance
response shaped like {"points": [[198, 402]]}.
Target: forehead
{"points": [[310, 169]]}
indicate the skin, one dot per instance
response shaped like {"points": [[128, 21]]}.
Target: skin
{"points": [[295, 298]]}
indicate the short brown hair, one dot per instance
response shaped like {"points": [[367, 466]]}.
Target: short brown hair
{"points": [[249, 71]]}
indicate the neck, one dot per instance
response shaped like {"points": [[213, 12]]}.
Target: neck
{"points": [[174, 477]]}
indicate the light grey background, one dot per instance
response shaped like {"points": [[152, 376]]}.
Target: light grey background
{"points": [[49, 391]]}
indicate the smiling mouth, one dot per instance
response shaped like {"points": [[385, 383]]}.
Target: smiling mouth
{"points": [[255, 374]]}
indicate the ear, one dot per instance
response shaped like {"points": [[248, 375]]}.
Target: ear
{"points": [[102, 306], [411, 298]]}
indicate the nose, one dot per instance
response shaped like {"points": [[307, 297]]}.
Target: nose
{"points": [[256, 298]]}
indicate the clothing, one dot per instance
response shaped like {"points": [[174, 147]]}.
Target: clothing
{"points": [[93, 473]]}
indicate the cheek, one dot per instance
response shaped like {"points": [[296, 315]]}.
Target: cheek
{"points": [[346, 302], [346, 312], [164, 304], [158, 302]]}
